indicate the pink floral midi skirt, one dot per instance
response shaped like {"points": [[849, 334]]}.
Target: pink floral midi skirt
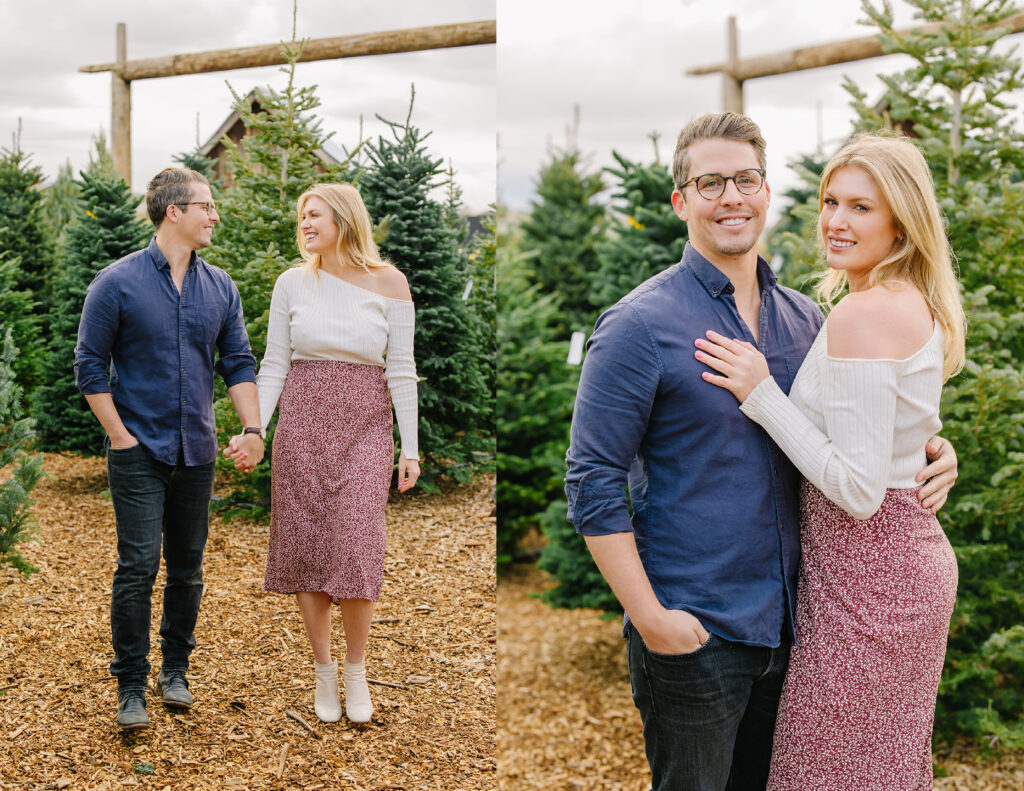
{"points": [[873, 609], [332, 461]]}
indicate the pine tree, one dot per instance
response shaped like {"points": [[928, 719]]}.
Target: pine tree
{"points": [[23, 226], [202, 164], [17, 311], [255, 240], [105, 229], [61, 201], [792, 242], [16, 524], [536, 389], [482, 301], [273, 165], [456, 406], [648, 238], [27, 256], [564, 227], [955, 100]]}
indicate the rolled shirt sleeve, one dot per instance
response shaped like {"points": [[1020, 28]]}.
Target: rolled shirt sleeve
{"points": [[97, 332], [617, 388]]}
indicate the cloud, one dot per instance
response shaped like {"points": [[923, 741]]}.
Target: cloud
{"points": [[63, 109]]}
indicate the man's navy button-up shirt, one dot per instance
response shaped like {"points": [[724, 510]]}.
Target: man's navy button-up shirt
{"points": [[715, 502], [159, 347]]}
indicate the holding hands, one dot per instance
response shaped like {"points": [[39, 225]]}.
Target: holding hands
{"points": [[741, 365], [245, 450]]}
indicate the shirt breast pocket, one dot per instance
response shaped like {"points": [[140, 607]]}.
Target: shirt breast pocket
{"points": [[203, 326]]}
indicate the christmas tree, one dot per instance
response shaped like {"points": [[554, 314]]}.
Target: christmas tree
{"points": [[105, 230], [16, 525], [23, 227], [536, 389], [565, 225], [792, 242], [61, 201], [482, 300], [648, 236], [255, 240], [456, 405], [27, 256], [17, 311], [193, 160]]}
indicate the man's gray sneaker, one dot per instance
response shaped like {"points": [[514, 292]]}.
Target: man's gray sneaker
{"points": [[174, 689], [131, 709]]}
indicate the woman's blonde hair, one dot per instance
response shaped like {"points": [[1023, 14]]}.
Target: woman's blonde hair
{"points": [[921, 254], [355, 231]]}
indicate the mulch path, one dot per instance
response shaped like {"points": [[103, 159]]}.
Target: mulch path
{"points": [[566, 720], [432, 647]]}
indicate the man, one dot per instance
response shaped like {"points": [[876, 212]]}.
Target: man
{"points": [[156, 318], [705, 568]]}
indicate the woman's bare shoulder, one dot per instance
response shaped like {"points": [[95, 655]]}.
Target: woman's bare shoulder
{"points": [[880, 323], [392, 283]]}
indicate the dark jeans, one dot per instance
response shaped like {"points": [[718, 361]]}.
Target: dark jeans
{"points": [[709, 716], [154, 501]]}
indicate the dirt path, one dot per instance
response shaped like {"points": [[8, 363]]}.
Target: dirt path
{"points": [[566, 720], [434, 644]]}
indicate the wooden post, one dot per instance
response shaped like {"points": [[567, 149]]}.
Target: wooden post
{"points": [[732, 86], [121, 111]]}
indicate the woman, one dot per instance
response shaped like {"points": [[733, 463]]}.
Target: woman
{"points": [[340, 337], [878, 577]]}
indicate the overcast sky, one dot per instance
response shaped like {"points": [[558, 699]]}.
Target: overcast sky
{"points": [[624, 64], [42, 45]]}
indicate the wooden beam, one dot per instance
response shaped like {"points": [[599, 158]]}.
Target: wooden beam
{"points": [[823, 55], [463, 34], [121, 112], [732, 88]]}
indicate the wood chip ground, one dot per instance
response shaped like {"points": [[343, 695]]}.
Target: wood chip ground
{"points": [[566, 720], [253, 726]]}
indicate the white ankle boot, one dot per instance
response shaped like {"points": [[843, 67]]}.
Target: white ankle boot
{"points": [[358, 707], [325, 702]]}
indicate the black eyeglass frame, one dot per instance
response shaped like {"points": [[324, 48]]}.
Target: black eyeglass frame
{"points": [[696, 183], [208, 205]]}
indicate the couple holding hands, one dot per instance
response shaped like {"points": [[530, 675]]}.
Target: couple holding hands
{"points": [[339, 352]]}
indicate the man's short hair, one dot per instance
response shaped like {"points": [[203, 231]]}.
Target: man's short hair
{"points": [[169, 187], [714, 126]]}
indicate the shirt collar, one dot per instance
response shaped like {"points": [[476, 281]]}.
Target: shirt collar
{"points": [[160, 260], [714, 280]]}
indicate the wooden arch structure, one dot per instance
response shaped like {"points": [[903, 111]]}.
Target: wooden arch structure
{"points": [[735, 71], [124, 71]]}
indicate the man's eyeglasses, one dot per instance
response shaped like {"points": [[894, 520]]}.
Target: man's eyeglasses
{"points": [[208, 206], [712, 185]]}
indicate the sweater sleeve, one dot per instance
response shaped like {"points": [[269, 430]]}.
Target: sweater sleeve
{"points": [[400, 370], [277, 359], [849, 461]]}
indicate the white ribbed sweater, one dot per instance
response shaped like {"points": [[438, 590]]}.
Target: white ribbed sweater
{"points": [[328, 318], [853, 427]]}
